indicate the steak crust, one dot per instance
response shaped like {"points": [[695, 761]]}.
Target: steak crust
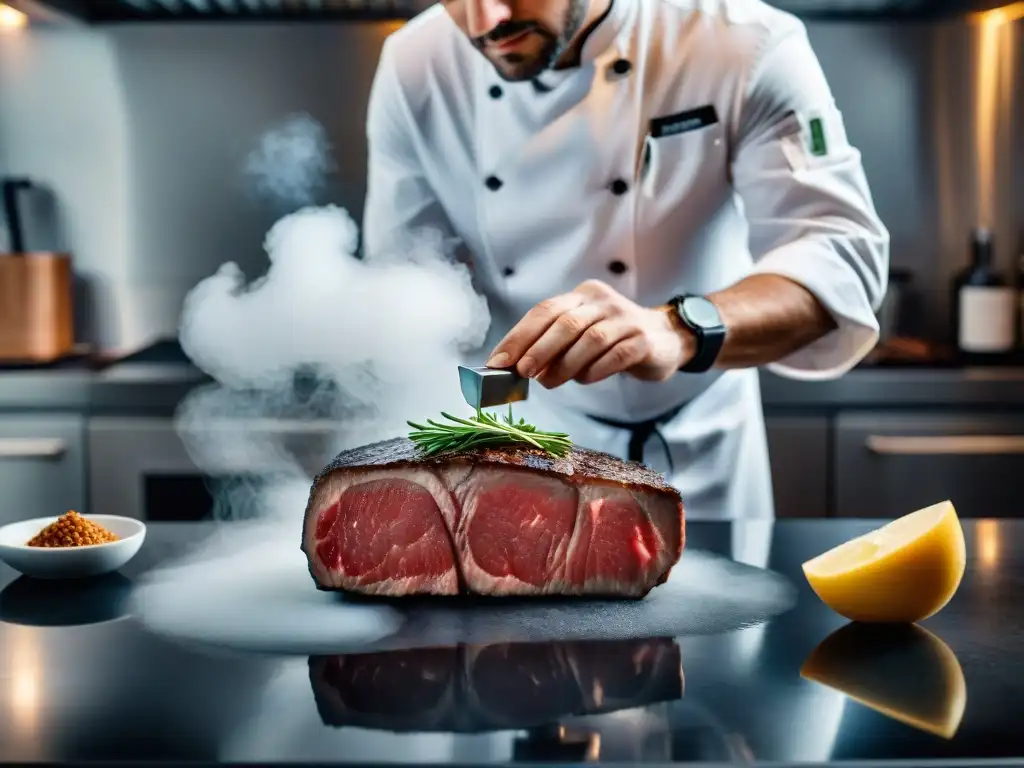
{"points": [[579, 466]]}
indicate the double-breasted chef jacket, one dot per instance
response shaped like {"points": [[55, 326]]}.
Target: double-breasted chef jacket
{"points": [[696, 142]]}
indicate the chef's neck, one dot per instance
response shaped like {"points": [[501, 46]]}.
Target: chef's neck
{"points": [[596, 11]]}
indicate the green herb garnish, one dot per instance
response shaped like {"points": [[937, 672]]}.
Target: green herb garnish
{"points": [[484, 430]]}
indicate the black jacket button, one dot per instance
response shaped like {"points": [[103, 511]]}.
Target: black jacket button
{"points": [[619, 187], [495, 91], [493, 183], [617, 268], [621, 67]]}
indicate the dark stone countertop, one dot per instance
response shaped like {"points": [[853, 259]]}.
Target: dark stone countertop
{"points": [[84, 682]]}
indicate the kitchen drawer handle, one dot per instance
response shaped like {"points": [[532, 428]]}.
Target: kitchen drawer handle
{"points": [[945, 445], [32, 448]]}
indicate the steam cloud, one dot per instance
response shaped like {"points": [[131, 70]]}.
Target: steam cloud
{"points": [[291, 163], [326, 350]]}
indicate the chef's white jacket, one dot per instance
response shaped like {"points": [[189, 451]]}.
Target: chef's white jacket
{"points": [[696, 142]]}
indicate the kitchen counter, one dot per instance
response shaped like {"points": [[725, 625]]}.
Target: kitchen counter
{"points": [[84, 682], [156, 388]]}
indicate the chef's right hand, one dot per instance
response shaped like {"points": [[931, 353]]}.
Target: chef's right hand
{"points": [[592, 333]]}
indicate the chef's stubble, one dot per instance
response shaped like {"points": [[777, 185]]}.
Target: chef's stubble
{"points": [[555, 43]]}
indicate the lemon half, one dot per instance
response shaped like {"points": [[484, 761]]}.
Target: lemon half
{"points": [[903, 572]]}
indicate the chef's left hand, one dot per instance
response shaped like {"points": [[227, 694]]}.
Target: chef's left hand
{"points": [[593, 333]]}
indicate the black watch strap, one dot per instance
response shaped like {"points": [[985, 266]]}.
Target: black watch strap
{"points": [[701, 317]]}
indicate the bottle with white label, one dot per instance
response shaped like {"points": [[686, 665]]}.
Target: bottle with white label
{"points": [[985, 306]]}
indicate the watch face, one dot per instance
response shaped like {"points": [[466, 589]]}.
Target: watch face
{"points": [[701, 312]]}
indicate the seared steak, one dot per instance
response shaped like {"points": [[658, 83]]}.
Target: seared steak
{"points": [[384, 519]]}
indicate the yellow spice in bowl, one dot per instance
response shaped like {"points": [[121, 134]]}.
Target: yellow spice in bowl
{"points": [[72, 530]]}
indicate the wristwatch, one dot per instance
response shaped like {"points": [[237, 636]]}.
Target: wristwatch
{"points": [[701, 317]]}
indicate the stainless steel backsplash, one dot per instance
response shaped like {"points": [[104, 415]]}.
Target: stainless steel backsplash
{"points": [[143, 129], [937, 110]]}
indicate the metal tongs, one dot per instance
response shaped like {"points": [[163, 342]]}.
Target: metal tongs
{"points": [[489, 387]]}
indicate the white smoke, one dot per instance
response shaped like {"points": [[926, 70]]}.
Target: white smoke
{"points": [[323, 352], [291, 163]]}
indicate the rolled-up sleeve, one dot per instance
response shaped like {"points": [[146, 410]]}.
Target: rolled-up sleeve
{"points": [[401, 210], [806, 199]]}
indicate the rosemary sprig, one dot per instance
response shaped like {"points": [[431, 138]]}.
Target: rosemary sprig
{"points": [[485, 430]]}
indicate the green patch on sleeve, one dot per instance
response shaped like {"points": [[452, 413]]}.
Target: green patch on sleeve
{"points": [[819, 146]]}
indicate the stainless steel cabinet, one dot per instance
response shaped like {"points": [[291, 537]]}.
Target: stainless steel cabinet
{"points": [[123, 453], [142, 467], [798, 447], [42, 465], [889, 464]]}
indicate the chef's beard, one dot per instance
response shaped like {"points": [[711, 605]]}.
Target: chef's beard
{"points": [[516, 67]]}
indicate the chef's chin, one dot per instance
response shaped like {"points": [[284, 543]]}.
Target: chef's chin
{"points": [[524, 65]]}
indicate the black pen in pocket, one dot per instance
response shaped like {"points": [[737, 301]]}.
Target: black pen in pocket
{"points": [[645, 159]]}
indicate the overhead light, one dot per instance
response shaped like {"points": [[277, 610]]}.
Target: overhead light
{"points": [[12, 18]]}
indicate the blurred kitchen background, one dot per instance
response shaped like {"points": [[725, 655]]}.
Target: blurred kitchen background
{"points": [[124, 126]]}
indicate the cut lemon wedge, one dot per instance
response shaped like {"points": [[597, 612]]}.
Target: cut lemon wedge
{"points": [[903, 572]]}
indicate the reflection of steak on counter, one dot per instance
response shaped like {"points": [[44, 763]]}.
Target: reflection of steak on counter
{"points": [[386, 520], [494, 687]]}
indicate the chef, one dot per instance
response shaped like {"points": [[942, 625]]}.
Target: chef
{"points": [[656, 197]]}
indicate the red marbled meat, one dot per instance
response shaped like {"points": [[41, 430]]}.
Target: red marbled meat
{"points": [[385, 519]]}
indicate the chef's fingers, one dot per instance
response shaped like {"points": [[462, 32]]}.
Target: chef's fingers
{"points": [[510, 350], [597, 290], [623, 356], [568, 329], [595, 341]]}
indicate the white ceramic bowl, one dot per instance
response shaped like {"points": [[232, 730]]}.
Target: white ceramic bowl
{"points": [[70, 562]]}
